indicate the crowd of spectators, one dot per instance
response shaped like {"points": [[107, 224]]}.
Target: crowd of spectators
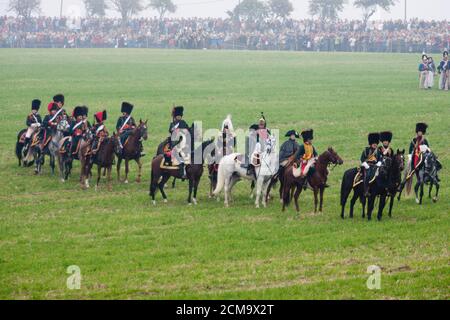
{"points": [[217, 33]]}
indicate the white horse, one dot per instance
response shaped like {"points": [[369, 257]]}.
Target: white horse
{"points": [[230, 172]]}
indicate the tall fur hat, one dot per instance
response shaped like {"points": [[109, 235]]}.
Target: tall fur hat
{"points": [[386, 136], [421, 127], [59, 98], [35, 104], [373, 138], [85, 110], [78, 111], [127, 107], [100, 116], [178, 111], [308, 134]]}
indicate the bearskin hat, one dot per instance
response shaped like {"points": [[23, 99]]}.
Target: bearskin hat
{"points": [[127, 107], [386, 136], [374, 138], [254, 127], [85, 110], [178, 111], [35, 104], [308, 134], [78, 111], [292, 132], [58, 98], [100, 116], [421, 127]]}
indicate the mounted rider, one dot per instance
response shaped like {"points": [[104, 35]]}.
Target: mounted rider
{"points": [[78, 129], [99, 131], [418, 146], [370, 160], [306, 153], [177, 130], [126, 124], [258, 134], [33, 122], [288, 149], [385, 149], [50, 122]]}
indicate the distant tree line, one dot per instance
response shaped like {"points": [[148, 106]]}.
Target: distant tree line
{"points": [[250, 10]]}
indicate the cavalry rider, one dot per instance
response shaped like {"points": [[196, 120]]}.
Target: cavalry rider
{"points": [[258, 134], [370, 159], [99, 130], [418, 146], [306, 153], [85, 117], [288, 149], [126, 124], [59, 101], [176, 127], [226, 141], [385, 149], [33, 122], [50, 121], [77, 129], [444, 70]]}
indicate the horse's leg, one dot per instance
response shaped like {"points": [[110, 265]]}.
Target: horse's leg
{"points": [[371, 205], [296, 196], [226, 192], [258, 190], [99, 174], [119, 161], [265, 191], [153, 186], [127, 168], [435, 199], [352, 203], [363, 201], [381, 206], [391, 203], [109, 169], [281, 190], [190, 182], [316, 200], [52, 163], [173, 182], [322, 189], [139, 163], [429, 189], [196, 183], [161, 187]]}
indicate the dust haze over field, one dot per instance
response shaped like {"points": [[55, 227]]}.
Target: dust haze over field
{"points": [[127, 248]]}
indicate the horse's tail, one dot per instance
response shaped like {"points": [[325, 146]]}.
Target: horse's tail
{"points": [[409, 186], [347, 184], [286, 195], [220, 180], [272, 183]]}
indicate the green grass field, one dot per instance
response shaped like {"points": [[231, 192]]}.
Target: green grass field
{"points": [[127, 248]]}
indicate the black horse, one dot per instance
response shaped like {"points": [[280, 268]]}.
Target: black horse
{"points": [[385, 185]]}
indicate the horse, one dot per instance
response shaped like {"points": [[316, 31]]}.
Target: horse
{"points": [[160, 176], [426, 173], [160, 151], [292, 186], [54, 145], [131, 150], [34, 154], [318, 179], [387, 180], [393, 177], [104, 159]]}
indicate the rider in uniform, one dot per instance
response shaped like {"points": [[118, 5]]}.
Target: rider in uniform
{"points": [[418, 145], [259, 133], [176, 126], [385, 149], [33, 122], [370, 159], [288, 149], [50, 122], [306, 155], [125, 124], [99, 131], [77, 129]]}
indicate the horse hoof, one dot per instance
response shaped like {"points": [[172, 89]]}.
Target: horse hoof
{"points": [[265, 205], [165, 201], [154, 202], [435, 199], [194, 201], [138, 180], [126, 182], [257, 206], [417, 201]]}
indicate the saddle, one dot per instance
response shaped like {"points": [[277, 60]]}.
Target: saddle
{"points": [[168, 166], [359, 177]]}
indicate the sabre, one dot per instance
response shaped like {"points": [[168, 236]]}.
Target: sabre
{"points": [[125, 123], [56, 114]]}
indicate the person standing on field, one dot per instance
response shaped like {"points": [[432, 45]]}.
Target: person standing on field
{"points": [[431, 72], [444, 70], [423, 73]]}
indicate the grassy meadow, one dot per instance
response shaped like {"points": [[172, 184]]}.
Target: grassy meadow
{"points": [[128, 249]]}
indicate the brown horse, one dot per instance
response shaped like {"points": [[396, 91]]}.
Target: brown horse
{"points": [[318, 179], [104, 159], [84, 155], [132, 150], [160, 176]]}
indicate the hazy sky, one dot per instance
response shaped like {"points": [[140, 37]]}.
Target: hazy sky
{"points": [[430, 9]]}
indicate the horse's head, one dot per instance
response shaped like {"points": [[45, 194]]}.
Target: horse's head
{"points": [[333, 157], [429, 161], [399, 159], [63, 125], [142, 129]]}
